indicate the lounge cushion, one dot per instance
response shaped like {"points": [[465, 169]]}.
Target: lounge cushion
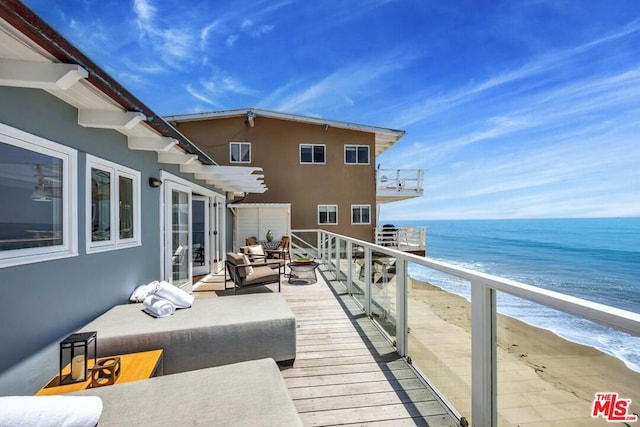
{"points": [[261, 275], [242, 394], [213, 332]]}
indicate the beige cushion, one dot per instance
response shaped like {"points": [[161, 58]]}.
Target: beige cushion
{"points": [[242, 394], [256, 250], [245, 260]]}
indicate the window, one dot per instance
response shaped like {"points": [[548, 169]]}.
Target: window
{"points": [[113, 207], [328, 214], [310, 153], [356, 154], [38, 218], [240, 152], [360, 214]]}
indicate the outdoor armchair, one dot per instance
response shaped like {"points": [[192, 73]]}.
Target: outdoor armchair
{"points": [[253, 273]]}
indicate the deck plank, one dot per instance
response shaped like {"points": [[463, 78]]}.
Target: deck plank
{"points": [[346, 372]]}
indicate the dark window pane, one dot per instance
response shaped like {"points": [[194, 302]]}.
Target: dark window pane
{"points": [[100, 205], [245, 152], [350, 155], [363, 154], [31, 197], [306, 154], [126, 207], [318, 153]]}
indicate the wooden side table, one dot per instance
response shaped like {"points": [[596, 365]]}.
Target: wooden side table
{"points": [[133, 367]]}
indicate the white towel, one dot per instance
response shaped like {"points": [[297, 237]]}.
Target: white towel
{"points": [[158, 307], [143, 291], [50, 411], [177, 296]]}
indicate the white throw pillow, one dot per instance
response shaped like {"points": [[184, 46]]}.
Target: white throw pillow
{"points": [[256, 250], [141, 292], [50, 411], [246, 261]]}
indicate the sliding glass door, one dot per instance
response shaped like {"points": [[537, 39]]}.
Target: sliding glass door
{"points": [[177, 235], [200, 241]]}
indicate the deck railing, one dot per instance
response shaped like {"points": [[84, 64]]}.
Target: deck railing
{"points": [[401, 238], [464, 348], [400, 179]]}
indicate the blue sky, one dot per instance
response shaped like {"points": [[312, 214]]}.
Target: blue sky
{"points": [[516, 109]]}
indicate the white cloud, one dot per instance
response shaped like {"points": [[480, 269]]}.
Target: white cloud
{"points": [[231, 40], [143, 10], [200, 96]]}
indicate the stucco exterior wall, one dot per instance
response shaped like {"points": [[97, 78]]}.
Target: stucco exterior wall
{"points": [[43, 302], [275, 148]]}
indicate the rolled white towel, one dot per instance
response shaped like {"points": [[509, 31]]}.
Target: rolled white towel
{"points": [[177, 296], [158, 307], [50, 411], [143, 291]]}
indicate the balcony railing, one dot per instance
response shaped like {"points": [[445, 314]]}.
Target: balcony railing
{"points": [[405, 239], [488, 368], [398, 184]]}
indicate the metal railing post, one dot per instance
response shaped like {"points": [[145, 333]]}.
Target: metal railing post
{"points": [[402, 313], [484, 405], [351, 264], [367, 280]]}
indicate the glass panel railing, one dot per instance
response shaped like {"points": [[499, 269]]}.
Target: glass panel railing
{"points": [[342, 272], [549, 374], [358, 273], [383, 292], [439, 339]]}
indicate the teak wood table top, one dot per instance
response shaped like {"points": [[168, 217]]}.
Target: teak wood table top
{"points": [[133, 367]]}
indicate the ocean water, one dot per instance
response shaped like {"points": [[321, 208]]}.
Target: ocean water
{"points": [[593, 259]]}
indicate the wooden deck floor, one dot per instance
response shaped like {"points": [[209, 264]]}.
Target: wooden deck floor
{"points": [[346, 372]]}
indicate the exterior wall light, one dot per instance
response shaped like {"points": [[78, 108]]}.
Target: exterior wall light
{"points": [[155, 182]]}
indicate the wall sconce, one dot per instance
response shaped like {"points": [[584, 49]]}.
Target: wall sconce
{"points": [[155, 182], [250, 121], [75, 348], [325, 127]]}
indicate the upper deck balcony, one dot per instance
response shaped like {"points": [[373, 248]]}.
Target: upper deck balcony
{"points": [[393, 185]]}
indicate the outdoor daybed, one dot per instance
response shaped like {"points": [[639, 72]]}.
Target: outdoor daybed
{"points": [[213, 332], [243, 394], [250, 393]]}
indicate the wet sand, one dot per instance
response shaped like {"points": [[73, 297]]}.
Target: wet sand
{"points": [[543, 379]]}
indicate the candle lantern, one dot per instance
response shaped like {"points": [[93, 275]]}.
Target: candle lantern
{"points": [[75, 349]]}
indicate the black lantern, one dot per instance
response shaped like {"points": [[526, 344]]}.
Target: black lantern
{"points": [[75, 349]]}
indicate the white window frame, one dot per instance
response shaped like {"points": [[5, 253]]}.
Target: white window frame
{"points": [[240, 144], [360, 207], [357, 162], [116, 171], [312, 162], [327, 206], [69, 157]]}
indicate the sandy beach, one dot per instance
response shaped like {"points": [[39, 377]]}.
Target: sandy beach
{"points": [[543, 380]]}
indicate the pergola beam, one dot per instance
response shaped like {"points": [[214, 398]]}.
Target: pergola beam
{"points": [[160, 143], [109, 119], [40, 75]]}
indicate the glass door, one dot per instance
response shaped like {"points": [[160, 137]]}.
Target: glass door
{"points": [[178, 235], [200, 241], [217, 226]]}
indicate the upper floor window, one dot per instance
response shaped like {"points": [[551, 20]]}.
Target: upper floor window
{"points": [[360, 214], [240, 152], [113, 206], [328, 214], [312, 153], [356, 154], [38, 218]]}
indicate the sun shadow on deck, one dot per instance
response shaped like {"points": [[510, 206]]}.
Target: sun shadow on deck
{"points": [[347, 372]]}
